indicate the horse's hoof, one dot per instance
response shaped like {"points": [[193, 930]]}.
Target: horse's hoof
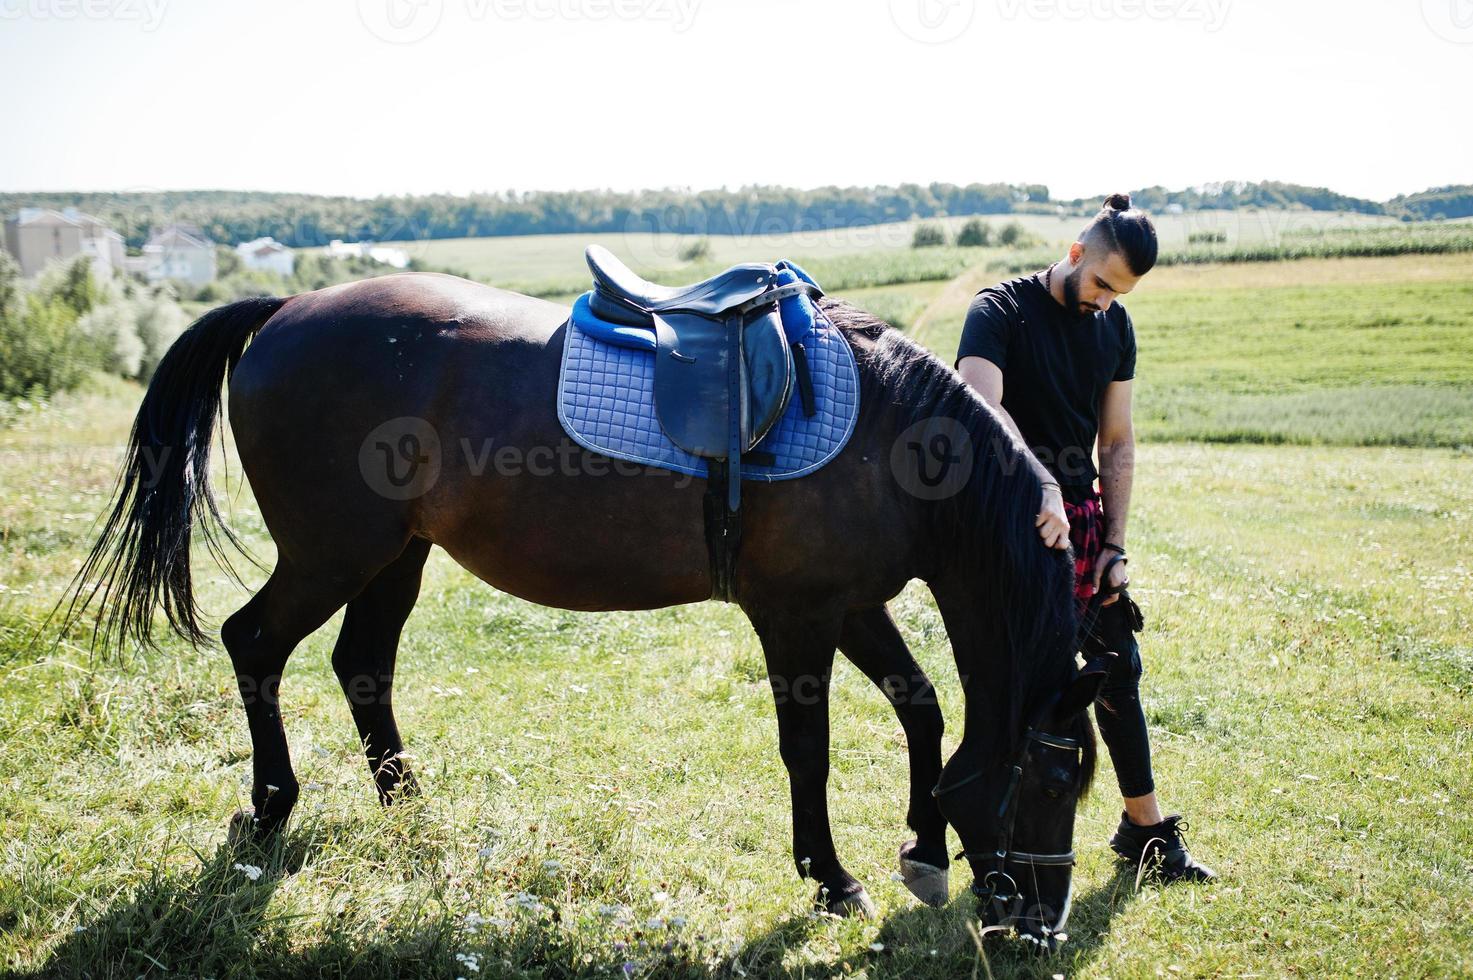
{"points": [[926, 882], [242, 827], [855, 905]]}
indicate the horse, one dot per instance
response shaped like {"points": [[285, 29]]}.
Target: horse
{"points": [[444, 362]]}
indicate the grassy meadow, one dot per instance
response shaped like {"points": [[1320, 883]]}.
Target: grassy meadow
{"points": [[604, 794]]}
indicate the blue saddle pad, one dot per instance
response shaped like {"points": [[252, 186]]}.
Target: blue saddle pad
{"points": [[606, 397]]}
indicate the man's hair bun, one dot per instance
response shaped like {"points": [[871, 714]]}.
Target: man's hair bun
{"points": [[1120, 228]]}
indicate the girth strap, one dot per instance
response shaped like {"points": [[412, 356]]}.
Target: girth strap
{"points": [[723, 531]]}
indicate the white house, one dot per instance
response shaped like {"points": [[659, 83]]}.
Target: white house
{"points": [[382, 254], [179, 252], [38, 236], [267, 254]]}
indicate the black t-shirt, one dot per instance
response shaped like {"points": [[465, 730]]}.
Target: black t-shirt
{"points": [[1055, 367]]}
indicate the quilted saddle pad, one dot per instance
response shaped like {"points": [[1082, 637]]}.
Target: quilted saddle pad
{"points": [[606, 404]]}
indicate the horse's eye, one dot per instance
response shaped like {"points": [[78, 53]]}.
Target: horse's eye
{"points": [[1053, 792]]}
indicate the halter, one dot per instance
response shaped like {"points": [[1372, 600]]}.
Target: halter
{"points": [[997, 885]]}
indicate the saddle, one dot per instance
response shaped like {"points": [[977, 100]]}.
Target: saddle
{"points": [[725, 367]]}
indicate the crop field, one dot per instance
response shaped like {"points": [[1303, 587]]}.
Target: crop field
{"points": [[604, 795], [553, 264]]}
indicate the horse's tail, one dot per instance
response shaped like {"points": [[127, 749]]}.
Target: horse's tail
{"points": [[141, 559]]}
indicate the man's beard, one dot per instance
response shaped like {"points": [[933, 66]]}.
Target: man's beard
{"points": [[1072, 302]]}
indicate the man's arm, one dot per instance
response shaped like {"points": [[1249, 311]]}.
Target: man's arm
{"points": [[986, 378], [1116, 449]]}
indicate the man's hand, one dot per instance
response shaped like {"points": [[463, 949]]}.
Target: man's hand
{"points": [[1053, 523], [1118, 577]]}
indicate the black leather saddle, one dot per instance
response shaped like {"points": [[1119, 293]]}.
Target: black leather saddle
{"points": [[724, 369]]}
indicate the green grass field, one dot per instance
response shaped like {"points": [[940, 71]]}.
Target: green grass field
{"points": [[1374, 351], [604, 791]]}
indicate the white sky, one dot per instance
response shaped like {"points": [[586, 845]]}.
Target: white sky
{"points": [[1368, 97]]}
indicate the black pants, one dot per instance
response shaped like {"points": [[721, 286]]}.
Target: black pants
{"points": [[1118, 712]]}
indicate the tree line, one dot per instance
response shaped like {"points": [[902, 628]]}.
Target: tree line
{"points": [[302, 220]]}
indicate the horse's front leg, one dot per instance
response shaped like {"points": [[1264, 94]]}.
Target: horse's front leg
{"points": [[800, 658], [872, 643]]}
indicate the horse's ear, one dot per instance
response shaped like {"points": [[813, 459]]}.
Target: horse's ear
{"points": [[1085, 687]]}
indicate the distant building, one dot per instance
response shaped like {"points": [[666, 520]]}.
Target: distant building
{"points": [[179, 252], [36, 237], [267, 254], [396, 257]]}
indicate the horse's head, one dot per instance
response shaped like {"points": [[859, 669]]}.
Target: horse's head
{"points": [[1016, 818]]}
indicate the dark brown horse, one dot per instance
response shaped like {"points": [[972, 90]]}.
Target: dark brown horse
{"points": [[379, 418]]}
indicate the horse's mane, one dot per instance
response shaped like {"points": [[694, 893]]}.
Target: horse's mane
{"points": [[1024, 586]]}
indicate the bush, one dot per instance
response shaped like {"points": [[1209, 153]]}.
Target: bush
{"points": [[1207, 238], [113, 330], [975, 234], [696, 250], [928, 236], [1014, 235], [41, 351], [160, 322]]}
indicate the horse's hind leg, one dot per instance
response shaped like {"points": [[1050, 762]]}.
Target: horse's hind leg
{"points": [[871, 641], [364, 662], [260, 637]]}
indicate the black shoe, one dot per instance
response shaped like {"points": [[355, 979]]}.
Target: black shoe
{"points": [[1161, 849]]}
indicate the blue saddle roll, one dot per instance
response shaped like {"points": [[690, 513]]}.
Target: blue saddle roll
{"points": [[618, 334], [798, 312]]}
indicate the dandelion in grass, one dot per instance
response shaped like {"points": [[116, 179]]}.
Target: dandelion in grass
{"points": [[877, 946]]}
